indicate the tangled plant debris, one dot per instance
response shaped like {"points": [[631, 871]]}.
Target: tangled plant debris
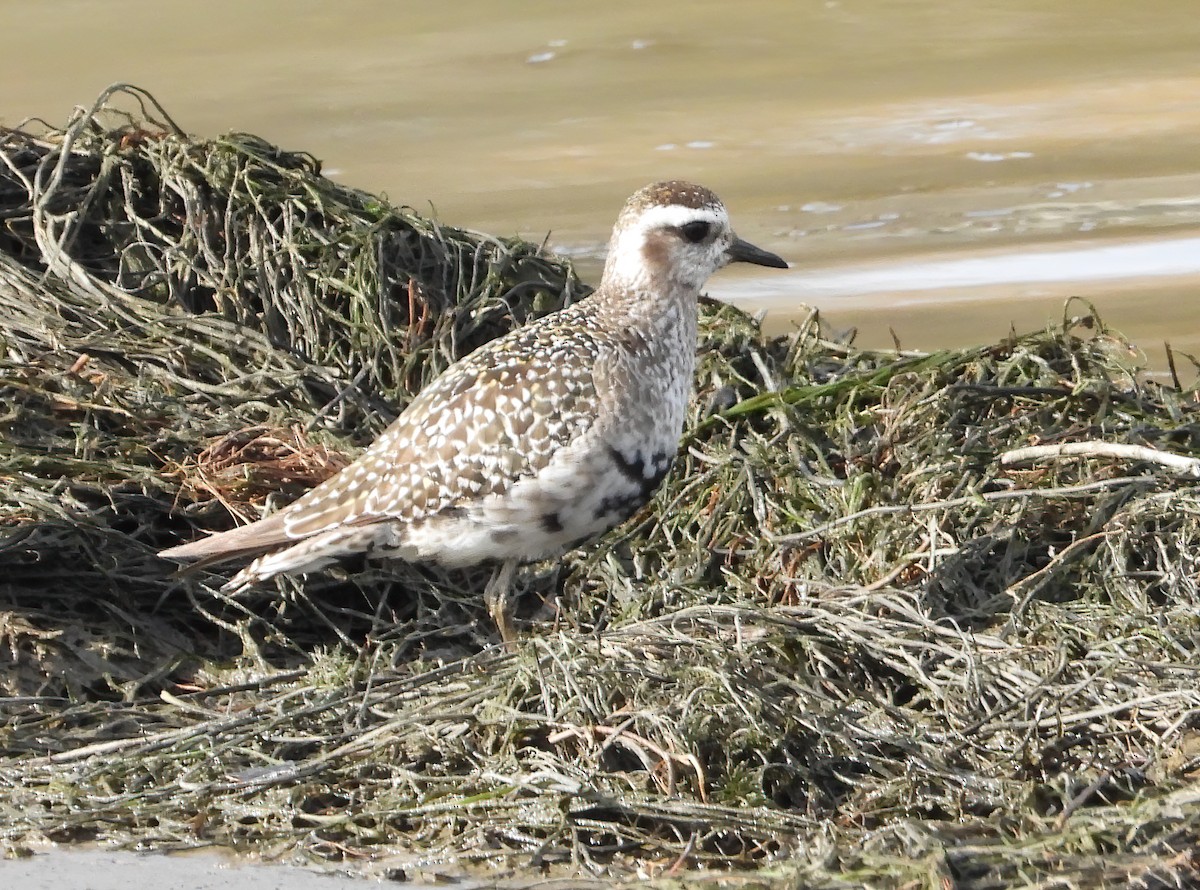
{"points": [[846, 644]]}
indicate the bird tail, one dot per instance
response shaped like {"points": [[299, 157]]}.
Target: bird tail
{"points": [[238, 543]]}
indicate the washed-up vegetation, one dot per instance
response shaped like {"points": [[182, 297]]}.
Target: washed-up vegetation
{"points": [[854, 639]]}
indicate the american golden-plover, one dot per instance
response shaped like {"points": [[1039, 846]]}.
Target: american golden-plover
{"points": [[537, 441]]}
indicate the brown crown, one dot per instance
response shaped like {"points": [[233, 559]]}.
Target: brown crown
{"points": [[672, 192]]}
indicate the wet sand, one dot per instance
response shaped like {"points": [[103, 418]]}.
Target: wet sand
{"points": [[94, 869]]}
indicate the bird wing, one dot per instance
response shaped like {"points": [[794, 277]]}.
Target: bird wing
{"points": [[490, 420], [493, 419]]}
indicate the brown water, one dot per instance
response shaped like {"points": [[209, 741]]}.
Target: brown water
{"points": [[868, 141]]}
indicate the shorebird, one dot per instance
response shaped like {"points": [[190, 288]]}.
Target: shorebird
{"points": [[537, 441]]}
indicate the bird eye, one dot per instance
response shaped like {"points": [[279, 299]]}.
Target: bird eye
{"points": [[695, 231]]}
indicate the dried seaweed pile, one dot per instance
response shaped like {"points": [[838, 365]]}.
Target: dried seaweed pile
{"points": [[844, 645]]}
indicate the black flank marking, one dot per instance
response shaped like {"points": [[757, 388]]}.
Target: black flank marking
{"points": [[647, 477], [630, 469], [552, 523], [662, 463], [636, 471], [621, 508]]}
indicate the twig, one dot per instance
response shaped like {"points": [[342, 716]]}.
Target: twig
{"points": [[1032, 453]]}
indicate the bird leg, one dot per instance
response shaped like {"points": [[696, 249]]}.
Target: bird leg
{"points": [[498, 596]]}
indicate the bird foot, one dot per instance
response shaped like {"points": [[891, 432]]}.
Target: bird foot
{"points": [[498, 596]]}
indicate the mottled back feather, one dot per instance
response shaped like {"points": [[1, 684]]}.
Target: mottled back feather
{"points": [[493, 419]]}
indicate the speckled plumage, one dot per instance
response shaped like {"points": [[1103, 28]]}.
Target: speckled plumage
{"points": [[538, 440]]}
